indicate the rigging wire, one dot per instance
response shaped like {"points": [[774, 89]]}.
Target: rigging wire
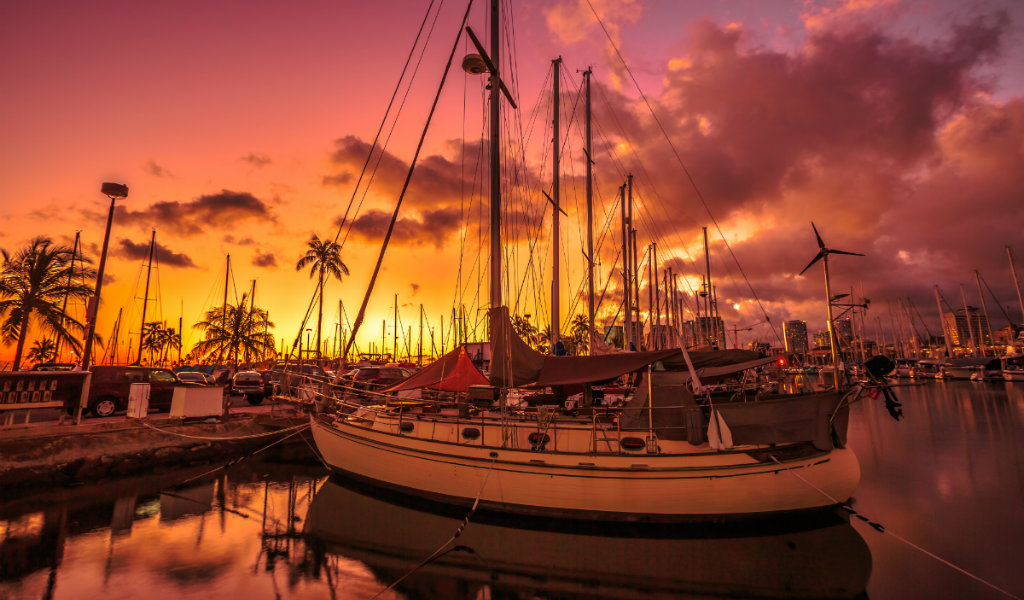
{"points": [[679, 159], [405, 185], [387, 111], [373, 146]]}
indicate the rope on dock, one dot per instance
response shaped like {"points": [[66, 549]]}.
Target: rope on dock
{"points": [[226, 438], [442, 548], [239, 459], [882, 529]]}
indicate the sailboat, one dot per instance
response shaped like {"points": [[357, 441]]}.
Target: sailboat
{"points": [[673, 454]]}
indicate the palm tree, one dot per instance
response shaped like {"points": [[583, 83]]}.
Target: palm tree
{"points": [[579, 335], [325, 259], [238, 329], [169, 339], [42, 350], [33, 283], [152, 338]]}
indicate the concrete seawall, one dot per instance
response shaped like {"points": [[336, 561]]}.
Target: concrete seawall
{"points": [[62, 455]]}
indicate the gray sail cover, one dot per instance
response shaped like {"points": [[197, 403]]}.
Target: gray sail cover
{"points": [[780, 420], [514, 363]]}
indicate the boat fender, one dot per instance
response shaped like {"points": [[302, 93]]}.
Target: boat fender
{"points": [[406, 426], [470, 433], [539, 440]]}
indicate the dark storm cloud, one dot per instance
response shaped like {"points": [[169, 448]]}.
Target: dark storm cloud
{"points": [[428, 227], [437, 179], [889, 144], [156, 170], [230, 239], [755, 124], [162, 255], [267, 261], [212, 211], [257, 160]]}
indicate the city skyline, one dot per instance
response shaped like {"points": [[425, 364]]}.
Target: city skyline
{"points": [[241, 129]]}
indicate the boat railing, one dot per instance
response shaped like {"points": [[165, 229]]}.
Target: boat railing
{"points": [[593, 430]]}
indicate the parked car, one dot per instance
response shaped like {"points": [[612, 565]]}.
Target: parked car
{"points": [[377, 378], [250, 384], [110, 385], [52, 366], [298, 373], [192, 377]]}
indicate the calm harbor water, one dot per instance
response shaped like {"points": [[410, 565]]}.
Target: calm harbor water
{"points": [[948, 478]]}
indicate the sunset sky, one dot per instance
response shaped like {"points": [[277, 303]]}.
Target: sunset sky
{"points": [[897, 127]]}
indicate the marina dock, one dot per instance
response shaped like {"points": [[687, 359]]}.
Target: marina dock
{"points": [[48, 454]]}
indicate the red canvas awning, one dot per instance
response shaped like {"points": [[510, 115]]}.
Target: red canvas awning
{"points": [[453, 372]]}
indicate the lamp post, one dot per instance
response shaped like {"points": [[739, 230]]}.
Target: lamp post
{"points": [[112, 191]]}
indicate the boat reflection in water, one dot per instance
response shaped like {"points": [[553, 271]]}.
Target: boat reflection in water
{"points": [[820, 556]]}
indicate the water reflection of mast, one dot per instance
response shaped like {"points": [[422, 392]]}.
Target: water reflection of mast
{"points": [[822, 556]]}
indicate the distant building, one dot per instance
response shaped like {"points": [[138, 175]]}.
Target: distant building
{"points": [[795, 333], [960, 324], [844, 332], [1005, 336], [822, 341]]}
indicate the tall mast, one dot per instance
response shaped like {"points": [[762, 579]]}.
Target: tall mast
{"points": [[64, 305], [495, 84], [831, 324], [1016, 282], [145, 297], [657, 290], [590, 215], [252, 309], [224, 308], [181, 318], [420, 349], [650, 296], [709, 311], [396, 328], [670, 305], [946, 335], [984, 311], [677, 302], [556, 64], [637, 323], [626, 294], [634, 283], [117, 332]]}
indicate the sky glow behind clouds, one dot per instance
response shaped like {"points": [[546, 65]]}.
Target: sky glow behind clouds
{"points": [[895, 126]]}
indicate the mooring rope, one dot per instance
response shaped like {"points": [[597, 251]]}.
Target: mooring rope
{"points": [[442, 548], [316, 453], [882, 529], [239, 459], [226, 438]]}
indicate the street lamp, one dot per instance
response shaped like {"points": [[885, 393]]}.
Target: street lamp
{"points": [[112, 191]]}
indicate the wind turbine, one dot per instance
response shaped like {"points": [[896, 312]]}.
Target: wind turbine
{"points": [[822, 255]]}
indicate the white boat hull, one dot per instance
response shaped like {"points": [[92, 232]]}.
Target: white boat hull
{"points": [[1013, 375], [634, 486]]}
